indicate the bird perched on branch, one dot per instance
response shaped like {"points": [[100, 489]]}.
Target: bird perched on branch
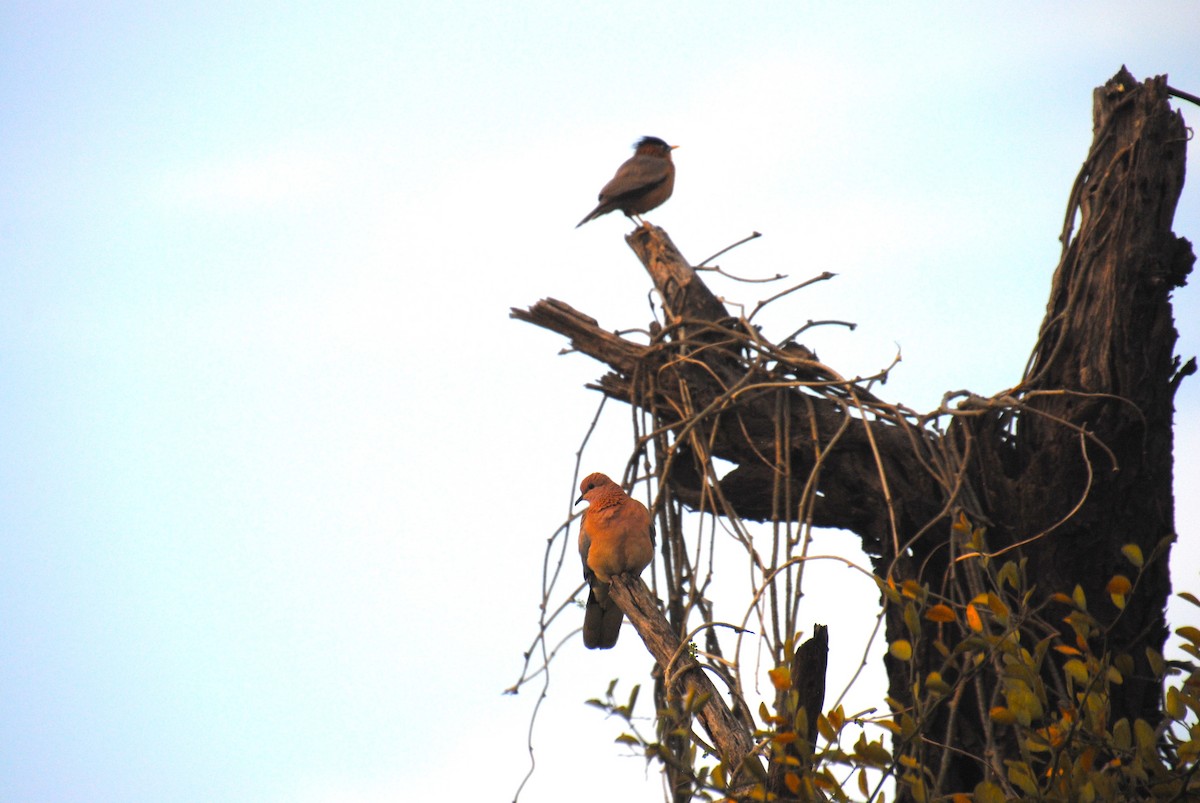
{"points": [[642, 183], [616, 536]]}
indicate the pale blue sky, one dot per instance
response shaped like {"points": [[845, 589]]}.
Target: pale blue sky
{"points": [[280, 470]]}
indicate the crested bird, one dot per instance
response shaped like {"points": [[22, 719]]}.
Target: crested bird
{"points": [[616, 536], [643, 182]]}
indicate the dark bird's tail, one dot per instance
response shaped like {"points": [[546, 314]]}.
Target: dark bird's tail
{"points": [[595, 213], [601, 619]]}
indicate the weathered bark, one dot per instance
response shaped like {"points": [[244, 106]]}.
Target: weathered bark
{"points": [[1081, 465], [694, 357], [1063, 470], [808, 687]]}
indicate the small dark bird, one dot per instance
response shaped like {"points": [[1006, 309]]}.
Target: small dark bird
{"points": [[642, 183]]}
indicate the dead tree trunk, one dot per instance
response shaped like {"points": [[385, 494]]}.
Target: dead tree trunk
{"points": [[1076, 463], [1064, 471]]}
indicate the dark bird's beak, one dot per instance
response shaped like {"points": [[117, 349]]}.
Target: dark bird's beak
{"points": [[580, 499]]}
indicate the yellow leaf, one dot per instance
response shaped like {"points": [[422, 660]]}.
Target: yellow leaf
{"points": [[988, 792], [910, 589], [1066, 649], [940, 613], [997, 605], [935, 683], [793, 782], [1134, 553], [1143, 735], [1020, 775], [781, 678], [1119, 584], [1174, 706], [973, 620], [757, 792], [827, 730], [1189, 597], [862, 782], [1077, 670], [901, 650], [1002, 715], [888, 589], [1190, 633]]}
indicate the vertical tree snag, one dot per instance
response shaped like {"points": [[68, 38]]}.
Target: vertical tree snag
{"points": [[1055, 486], [1083, 464]]}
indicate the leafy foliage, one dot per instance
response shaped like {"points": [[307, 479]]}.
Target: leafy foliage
{"points": [[1048, 706]]}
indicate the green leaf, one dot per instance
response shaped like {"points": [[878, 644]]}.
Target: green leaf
{"points": [[1122, 738], [1155, 659], [912, 621], [1143, 734], [1008, 574]]}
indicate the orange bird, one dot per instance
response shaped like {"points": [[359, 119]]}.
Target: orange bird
{"points": [[644, 181], [616, 536]]}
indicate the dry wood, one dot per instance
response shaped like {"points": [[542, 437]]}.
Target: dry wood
{"points": [[1065, 468], [687, 680]]}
